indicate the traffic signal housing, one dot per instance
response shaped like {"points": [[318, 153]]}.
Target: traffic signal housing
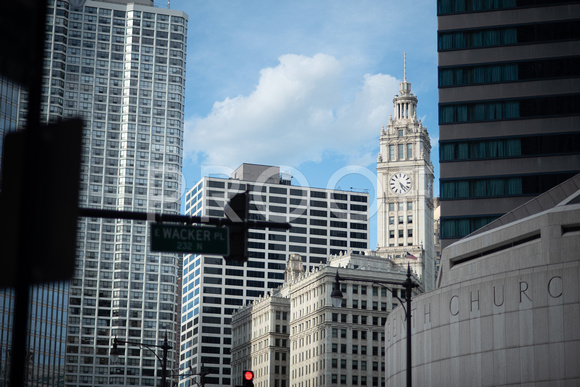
{"points": [[248, 378], [237, 211]]}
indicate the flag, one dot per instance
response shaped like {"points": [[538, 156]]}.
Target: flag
{"points": [[410, 256]]}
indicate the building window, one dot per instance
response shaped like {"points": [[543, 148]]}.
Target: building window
{"points": [[499, 110], [400, 150], [391, 152], [503, 36], [409, 206], [391, 220], [409, 151], [498, 187]]}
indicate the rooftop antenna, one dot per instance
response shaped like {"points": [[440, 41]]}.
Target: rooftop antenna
{"points": [[168, 4]]}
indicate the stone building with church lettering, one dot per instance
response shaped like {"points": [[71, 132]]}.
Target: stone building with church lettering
{"points": [[506, 310]]}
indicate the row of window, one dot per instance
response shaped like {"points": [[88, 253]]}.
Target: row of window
{"points": [[400, 206], [280, 190], [401, 234], [451, 7], [454, 228], [355, 364], [401, 152], [498, 110], [511, 147], [105, 14], [364, 320], [501, 186], [401, 219], [313, 231], [355, 381], [509, 72], [504, 36], [356, 334]]}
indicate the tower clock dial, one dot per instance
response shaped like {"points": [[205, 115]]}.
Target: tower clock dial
{"points": [[400, 183]]}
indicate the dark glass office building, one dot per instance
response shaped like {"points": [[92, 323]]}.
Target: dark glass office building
{"points": [[509, 105]]}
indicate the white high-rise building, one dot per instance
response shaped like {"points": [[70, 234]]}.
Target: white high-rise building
{"points": [[120, 65], [323, 222]]}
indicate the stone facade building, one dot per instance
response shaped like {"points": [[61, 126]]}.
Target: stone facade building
{"points": [[507, 307], [322, 345]]}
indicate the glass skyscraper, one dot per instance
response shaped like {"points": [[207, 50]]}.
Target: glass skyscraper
{"points": [[119, 65], [509, 105]]}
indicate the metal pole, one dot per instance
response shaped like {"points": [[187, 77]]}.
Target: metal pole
{"points": [[22, 288], [409, 285], [409, 365]]}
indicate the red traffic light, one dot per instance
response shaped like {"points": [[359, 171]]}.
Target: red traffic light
{"points": [[248, 375]]}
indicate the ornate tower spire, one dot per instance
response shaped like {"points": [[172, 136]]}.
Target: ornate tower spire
{"points": [[405, 66], [405, 103]]}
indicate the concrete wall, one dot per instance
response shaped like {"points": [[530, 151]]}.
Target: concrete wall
{"points": [[507, 310]]}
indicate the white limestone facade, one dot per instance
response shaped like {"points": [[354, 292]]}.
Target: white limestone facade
{"points": [[326, 345], [507, 307], [405, 189]]}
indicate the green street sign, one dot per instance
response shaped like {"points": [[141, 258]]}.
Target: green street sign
{"points": [[171, 238]]}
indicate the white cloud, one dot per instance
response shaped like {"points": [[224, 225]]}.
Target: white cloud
{"points": [[300, 110]]}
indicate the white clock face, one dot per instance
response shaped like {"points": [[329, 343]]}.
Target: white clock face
{"points": [[400, 183]]}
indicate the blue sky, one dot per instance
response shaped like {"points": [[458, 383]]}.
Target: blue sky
{"points": [[305, 85]]}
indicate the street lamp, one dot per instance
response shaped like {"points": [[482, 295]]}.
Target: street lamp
{"points": [[165, 347], [408, 284]]}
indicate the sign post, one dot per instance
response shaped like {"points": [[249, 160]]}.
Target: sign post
{"points": [[172, 238]]}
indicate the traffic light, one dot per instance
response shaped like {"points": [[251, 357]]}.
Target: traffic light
{"points": [[248, 378], [237, 211]]}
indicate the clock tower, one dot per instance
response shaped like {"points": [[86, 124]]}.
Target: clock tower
{"points": [[405, 189]]}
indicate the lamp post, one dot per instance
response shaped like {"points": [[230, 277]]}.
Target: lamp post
{"points": [[165, 347], [408, 285]]}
